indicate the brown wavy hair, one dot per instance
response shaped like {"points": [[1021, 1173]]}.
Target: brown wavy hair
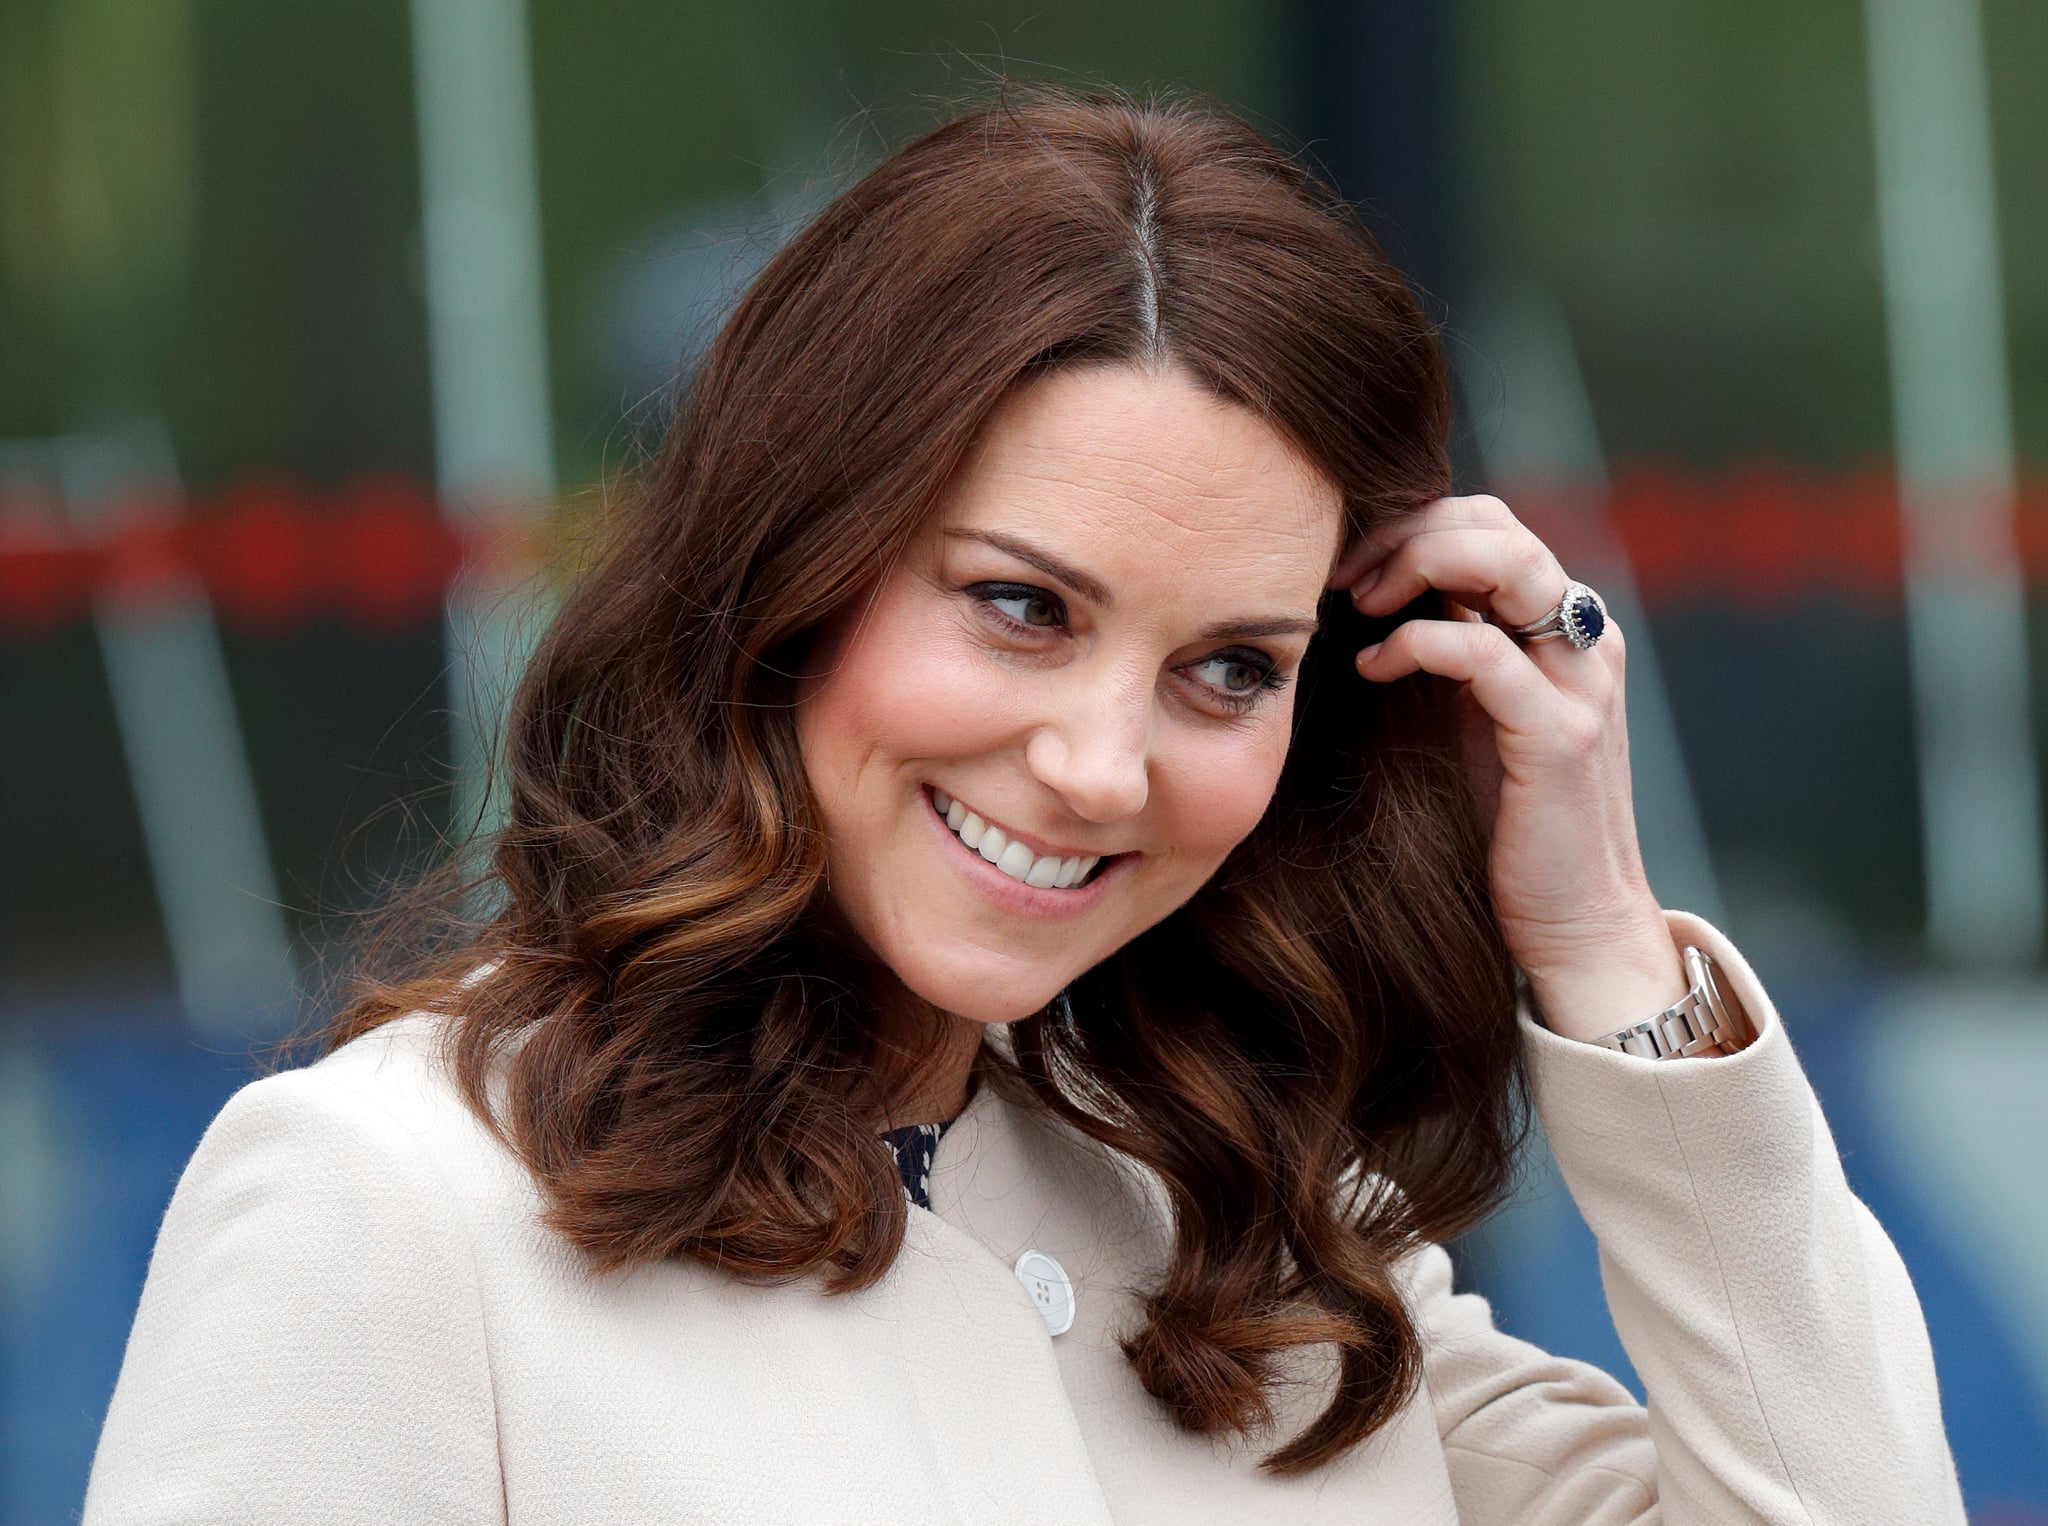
{"points": [[1316, 1054]]}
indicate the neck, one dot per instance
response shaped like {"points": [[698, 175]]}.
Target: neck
{"points": [[939, 1078], [927, 1055]]}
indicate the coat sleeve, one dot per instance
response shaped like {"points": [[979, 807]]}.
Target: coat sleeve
{"points": [[1777, 1336], [310, 1342]]}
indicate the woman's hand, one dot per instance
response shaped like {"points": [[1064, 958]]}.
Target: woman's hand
{"points": [[1546, 751]]}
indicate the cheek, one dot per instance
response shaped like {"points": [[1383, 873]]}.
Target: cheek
{"points": [[890, 692], [1222, 790]]}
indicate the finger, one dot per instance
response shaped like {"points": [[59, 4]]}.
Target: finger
{"points": [[1376, 541], [1508, 686], [1359, 557], [1593, 676], [1503, 568]]}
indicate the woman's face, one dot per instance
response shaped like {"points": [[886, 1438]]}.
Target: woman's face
{"points": [[1085, 661]]}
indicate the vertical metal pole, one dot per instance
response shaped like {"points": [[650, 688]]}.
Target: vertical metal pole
{"points": [[1952, 418], [231, 949], [487, 332]]}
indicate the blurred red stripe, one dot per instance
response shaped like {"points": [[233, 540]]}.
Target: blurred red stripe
{"points": [[46, 575], [272, 554], [260, 555], [1760, 535], [268, 553], [394, 555]]}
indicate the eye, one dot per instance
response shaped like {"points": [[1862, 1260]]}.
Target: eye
{"points": [[1237, 679], [1232, 674], [1021, 604]]}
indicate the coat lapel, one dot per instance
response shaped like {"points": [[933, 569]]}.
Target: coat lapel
{"points": [[1063, 1421], [1003, 1433]]}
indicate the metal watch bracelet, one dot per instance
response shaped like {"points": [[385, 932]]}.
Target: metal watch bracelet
{"points": [[1699, 1022]]}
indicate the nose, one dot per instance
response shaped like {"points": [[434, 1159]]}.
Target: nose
{"points": [[1094, 749]]}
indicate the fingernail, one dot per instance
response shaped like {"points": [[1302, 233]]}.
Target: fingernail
{"points": [[1364, 585], [1369, 653]]}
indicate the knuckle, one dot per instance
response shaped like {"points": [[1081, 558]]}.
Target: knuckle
{"points": [[1530, 559], [1578, 728], [1409, 566], [1492, 647]]}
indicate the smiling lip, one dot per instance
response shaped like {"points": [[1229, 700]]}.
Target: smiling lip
{"points": [[1012, 892]]}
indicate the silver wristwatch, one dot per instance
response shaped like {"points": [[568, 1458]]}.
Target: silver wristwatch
{"points": [[1697, 1023]]}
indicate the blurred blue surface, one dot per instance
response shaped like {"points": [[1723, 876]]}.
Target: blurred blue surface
{"points": [[129, 1098]]}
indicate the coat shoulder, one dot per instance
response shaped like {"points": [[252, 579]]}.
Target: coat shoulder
{"points": [[395, 1080]]}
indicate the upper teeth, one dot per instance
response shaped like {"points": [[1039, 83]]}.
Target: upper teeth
{"points": [[1013, 858]]}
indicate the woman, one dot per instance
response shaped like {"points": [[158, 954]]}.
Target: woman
{"points": [[1046, 710]]}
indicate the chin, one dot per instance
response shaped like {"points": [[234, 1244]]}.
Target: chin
{"points": [[992, 991]]}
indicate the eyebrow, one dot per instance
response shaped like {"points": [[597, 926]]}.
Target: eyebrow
{"points": [[1093, 589], [1248, 630], [1096, 591]]}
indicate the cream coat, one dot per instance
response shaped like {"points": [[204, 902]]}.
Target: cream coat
{"points": [[353, 1316]]}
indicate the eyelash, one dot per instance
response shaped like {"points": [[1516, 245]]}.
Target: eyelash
{"points": [[1271, 680]]}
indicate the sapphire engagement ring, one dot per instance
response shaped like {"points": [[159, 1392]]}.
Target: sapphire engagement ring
{"points": [[1580, 618]]}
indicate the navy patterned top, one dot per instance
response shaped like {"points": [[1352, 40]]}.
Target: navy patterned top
{"points": [[915, 1146]]}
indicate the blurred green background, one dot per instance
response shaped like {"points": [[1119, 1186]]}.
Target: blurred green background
{"points": [[1653, 233]]}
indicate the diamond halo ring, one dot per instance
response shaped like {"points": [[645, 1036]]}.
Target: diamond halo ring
{"points": [[1580, 617]]}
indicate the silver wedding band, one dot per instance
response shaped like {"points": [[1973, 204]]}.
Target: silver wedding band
{"points": [[1580, 617]]}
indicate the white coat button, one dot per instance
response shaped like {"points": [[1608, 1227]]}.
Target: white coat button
{"points": [[1050, 1289]]}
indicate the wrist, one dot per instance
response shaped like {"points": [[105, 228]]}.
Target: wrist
{"points": [[1626, 980]]}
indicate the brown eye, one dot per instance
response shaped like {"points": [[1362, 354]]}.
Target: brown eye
{"points": [[1236, 681], [1232, 675], [1023, 604]]}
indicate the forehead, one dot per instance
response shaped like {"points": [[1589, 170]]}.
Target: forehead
{"points": [[1145, 472]]}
